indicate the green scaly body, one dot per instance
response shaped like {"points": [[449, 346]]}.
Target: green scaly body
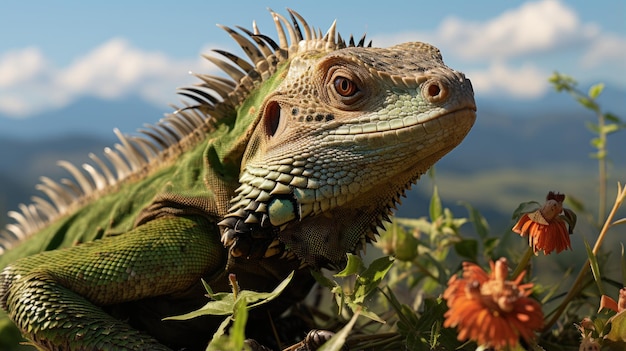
{"points": [[288, 166]]}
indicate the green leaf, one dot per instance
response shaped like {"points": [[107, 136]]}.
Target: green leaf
{"points": [[480, 223], [338, 340], [227, 303], [595, 267], [587, 103], [404, 318], [562, 82], [370, 278], [207, 287], [432, 318], [237, 334], [489, 245], [570, 218], [255, 299], [595, 90], [376, 271], [598, 143], [217, 341], [525, 207], [364, 312], [211, 294], [435, 208], [610, 128], [610, 117], [223, 307], [467, 248], [354, 266], [323, 280], [618, 327], [238, 330]]}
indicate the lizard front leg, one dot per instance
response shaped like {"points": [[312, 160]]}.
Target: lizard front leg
{"points": [[54, 297]]}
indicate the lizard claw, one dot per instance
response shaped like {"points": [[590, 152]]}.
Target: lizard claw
{"points": [[316, 338]]}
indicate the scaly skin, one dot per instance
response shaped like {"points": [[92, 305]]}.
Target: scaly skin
{"points": [[297, 163]]}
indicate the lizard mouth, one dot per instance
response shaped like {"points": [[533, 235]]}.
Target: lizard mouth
{"points": [[454, 124], [404, 128], [452, 121]]}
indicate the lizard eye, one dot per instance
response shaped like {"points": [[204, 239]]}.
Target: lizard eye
{"points": [[345, 87]]}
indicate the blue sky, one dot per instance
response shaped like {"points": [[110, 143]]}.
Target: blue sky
{"points": [[52, 53]]}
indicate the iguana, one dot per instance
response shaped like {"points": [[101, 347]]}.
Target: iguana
{"points": [[294, 160]]}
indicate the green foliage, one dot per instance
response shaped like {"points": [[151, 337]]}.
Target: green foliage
{"points": [[423, 331], [617, 332], [366, 282], [235, 306], [337, 342], [401, 293], [224, 303], [607, 124], [595, 267], [236, 336]]}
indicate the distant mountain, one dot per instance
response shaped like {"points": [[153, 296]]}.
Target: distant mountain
{"points": [[23, 162], [87, 116], [548, 131]]}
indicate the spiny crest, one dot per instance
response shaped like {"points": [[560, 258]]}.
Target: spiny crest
{"points": [[213, 99], [264, 56]]}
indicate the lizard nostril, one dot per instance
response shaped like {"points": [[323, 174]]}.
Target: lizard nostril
{"points": [[272, 118], [435, 91]]}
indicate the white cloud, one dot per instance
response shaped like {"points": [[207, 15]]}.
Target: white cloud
{"points": [[29, 84], [20, 66], [533, 27], [113, 69], [526, 81], [606, 50]]}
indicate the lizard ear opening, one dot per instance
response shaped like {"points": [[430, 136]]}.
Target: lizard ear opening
{"points": [[273, 120]]}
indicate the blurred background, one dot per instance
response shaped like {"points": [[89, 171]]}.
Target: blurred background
{"points": [[72, 71]]}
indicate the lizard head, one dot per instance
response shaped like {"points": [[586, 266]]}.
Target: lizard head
{"points": [[337, 141]]}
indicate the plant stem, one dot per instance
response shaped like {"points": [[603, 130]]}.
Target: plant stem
{"points": [[621, 196], [602, 176], [523, 263]]}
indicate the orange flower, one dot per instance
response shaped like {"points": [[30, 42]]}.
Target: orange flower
{"points": [[489, 309], [546, 227]]}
